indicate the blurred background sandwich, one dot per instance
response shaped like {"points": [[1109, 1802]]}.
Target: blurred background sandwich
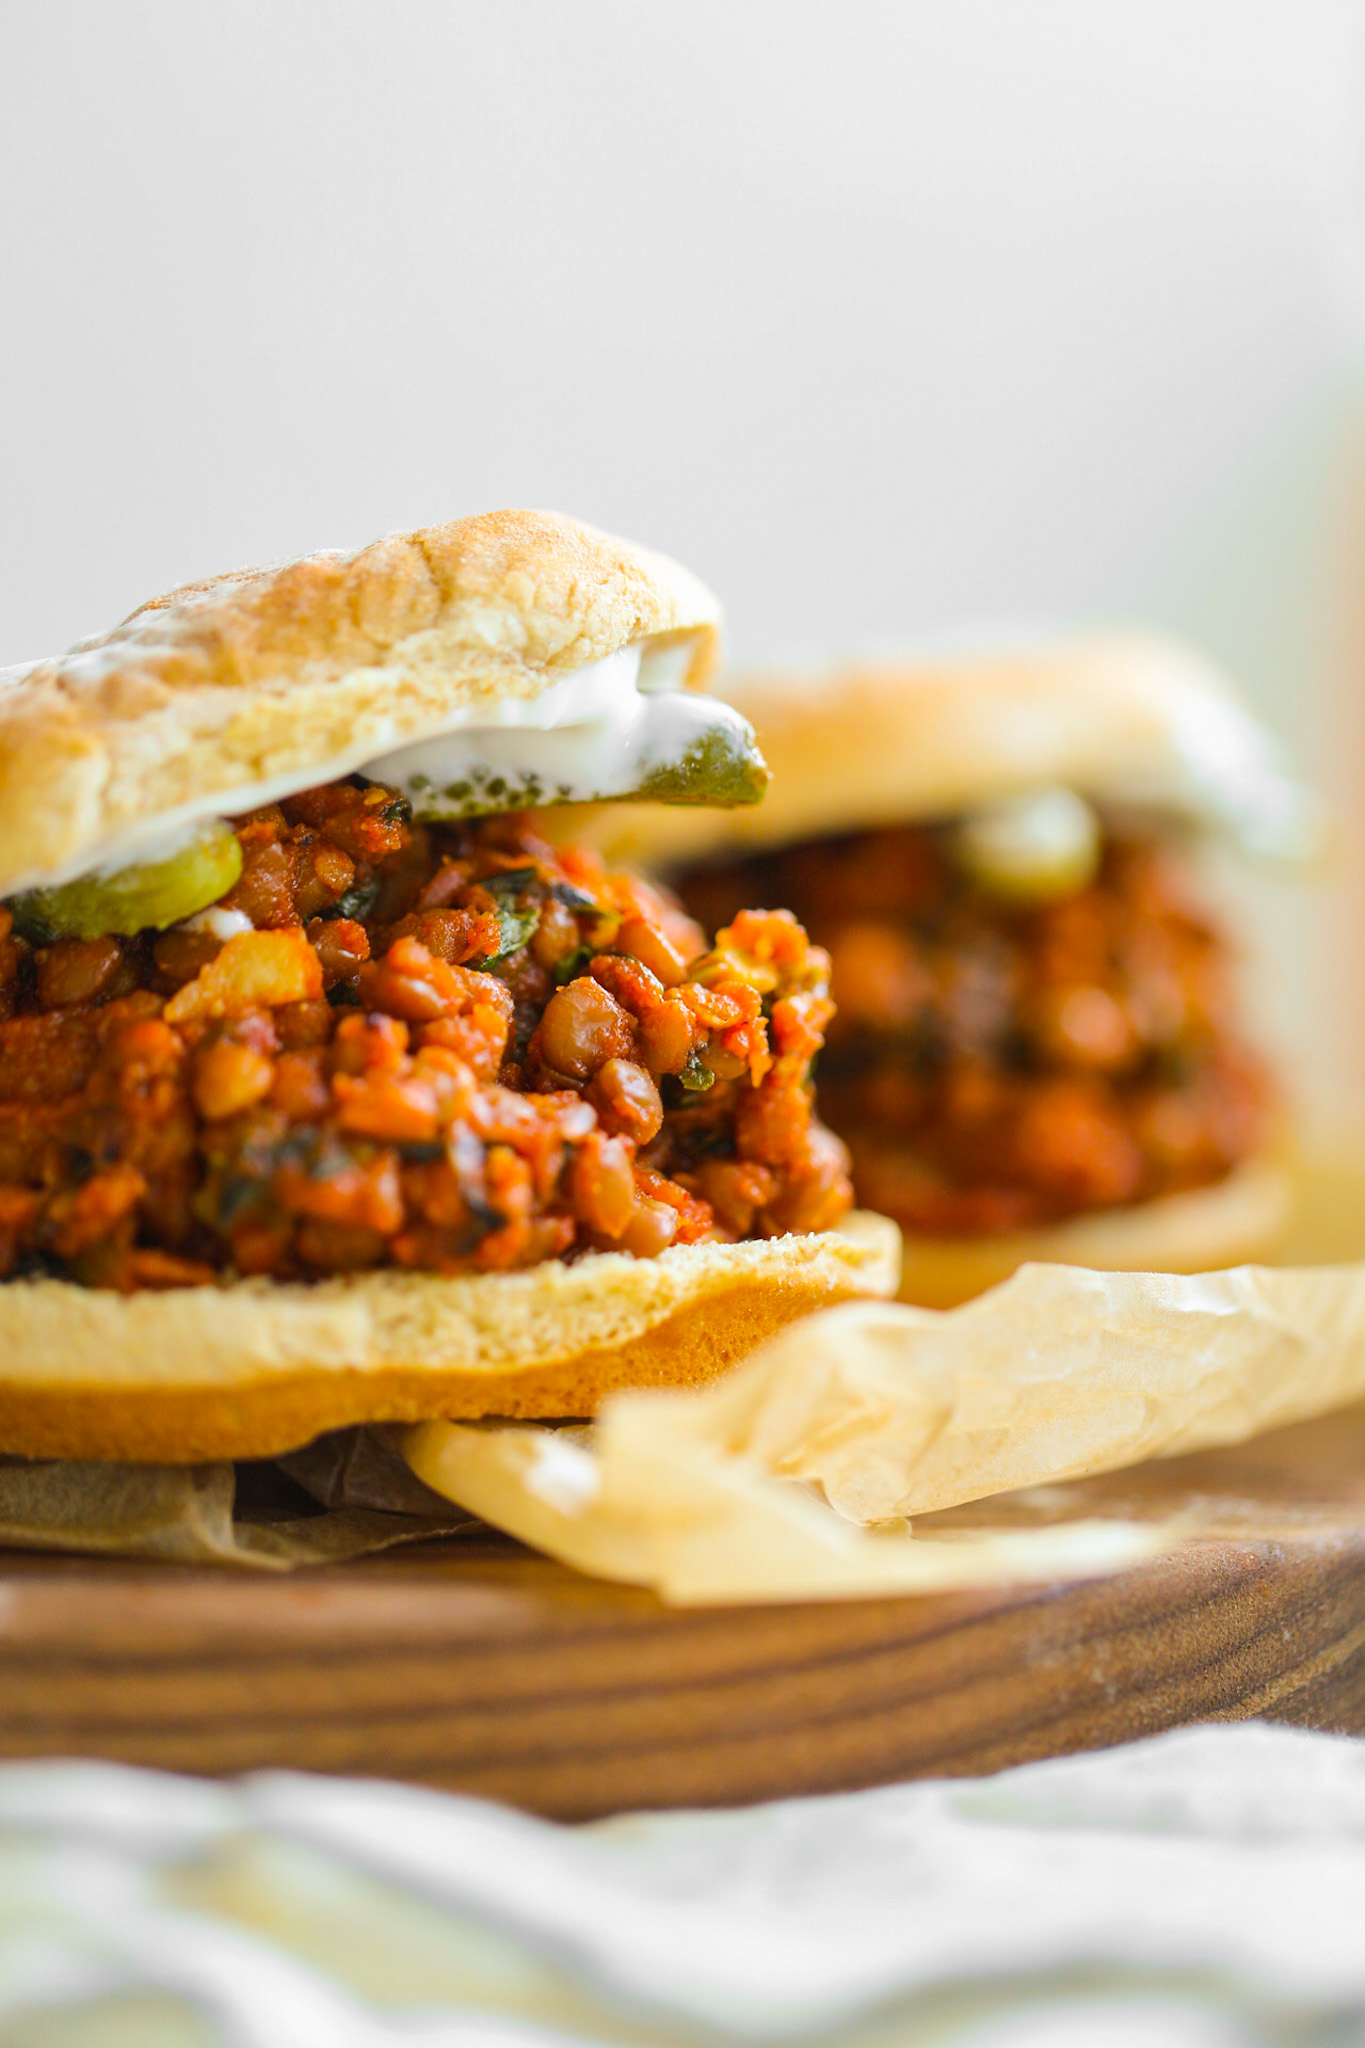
{"points": [[1039, 1050]]}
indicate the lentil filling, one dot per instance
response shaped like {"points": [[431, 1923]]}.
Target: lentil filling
{"points": [[448, 1048], [996, 1066]]}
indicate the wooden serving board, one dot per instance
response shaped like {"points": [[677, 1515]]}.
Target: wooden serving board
{"points": [[476, 1666]]}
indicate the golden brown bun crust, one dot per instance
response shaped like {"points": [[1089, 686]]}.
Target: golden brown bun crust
{"points": [[255, 1367], [861, 744], [1200, 1232], [285, 672]]}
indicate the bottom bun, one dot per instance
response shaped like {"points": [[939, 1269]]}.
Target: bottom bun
{"points": [[257, 1367], [1238, 1219]]}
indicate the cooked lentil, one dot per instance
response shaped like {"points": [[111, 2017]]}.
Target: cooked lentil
{"points": [[450, 1048], [994, 1066]]}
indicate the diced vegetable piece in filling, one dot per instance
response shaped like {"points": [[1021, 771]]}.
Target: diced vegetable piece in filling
{"points": [[443, 1047], [1001, 1061]]}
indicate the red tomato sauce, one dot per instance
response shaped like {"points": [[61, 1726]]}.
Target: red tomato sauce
{"points": [[450, 1049]]}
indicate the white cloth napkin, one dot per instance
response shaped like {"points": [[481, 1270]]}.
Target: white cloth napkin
{"points": [[1205, 1889]]}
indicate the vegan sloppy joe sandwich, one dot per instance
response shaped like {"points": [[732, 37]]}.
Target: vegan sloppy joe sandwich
{"points": [[1037, 1051], [330, 1090]]}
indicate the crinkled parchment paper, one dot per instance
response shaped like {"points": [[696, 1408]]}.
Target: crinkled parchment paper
{"points": [[345, 1495], [791, 1479], [705, 1527]]}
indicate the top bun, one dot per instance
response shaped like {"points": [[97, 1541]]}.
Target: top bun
{"points": [[1123, 718], [232, 692]]}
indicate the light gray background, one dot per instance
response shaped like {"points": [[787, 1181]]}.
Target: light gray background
{"points": [[886, 316]]}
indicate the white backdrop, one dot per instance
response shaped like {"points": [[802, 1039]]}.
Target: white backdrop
{"points": [[885, 315]]}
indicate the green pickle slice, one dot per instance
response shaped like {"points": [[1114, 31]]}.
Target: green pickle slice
{"points": [[721, 767], [1032, 848], [147, 896]]}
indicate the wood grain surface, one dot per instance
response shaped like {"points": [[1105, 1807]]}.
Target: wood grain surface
{"points": [[474, 1665]]}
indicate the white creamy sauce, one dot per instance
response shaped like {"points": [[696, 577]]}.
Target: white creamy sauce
{"points": [[155, 846], [219, 923], [664, 663], [599, 731]]}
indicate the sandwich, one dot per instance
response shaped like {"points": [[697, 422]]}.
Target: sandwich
{"points": [[333, 1092], [1037, 1052]]}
